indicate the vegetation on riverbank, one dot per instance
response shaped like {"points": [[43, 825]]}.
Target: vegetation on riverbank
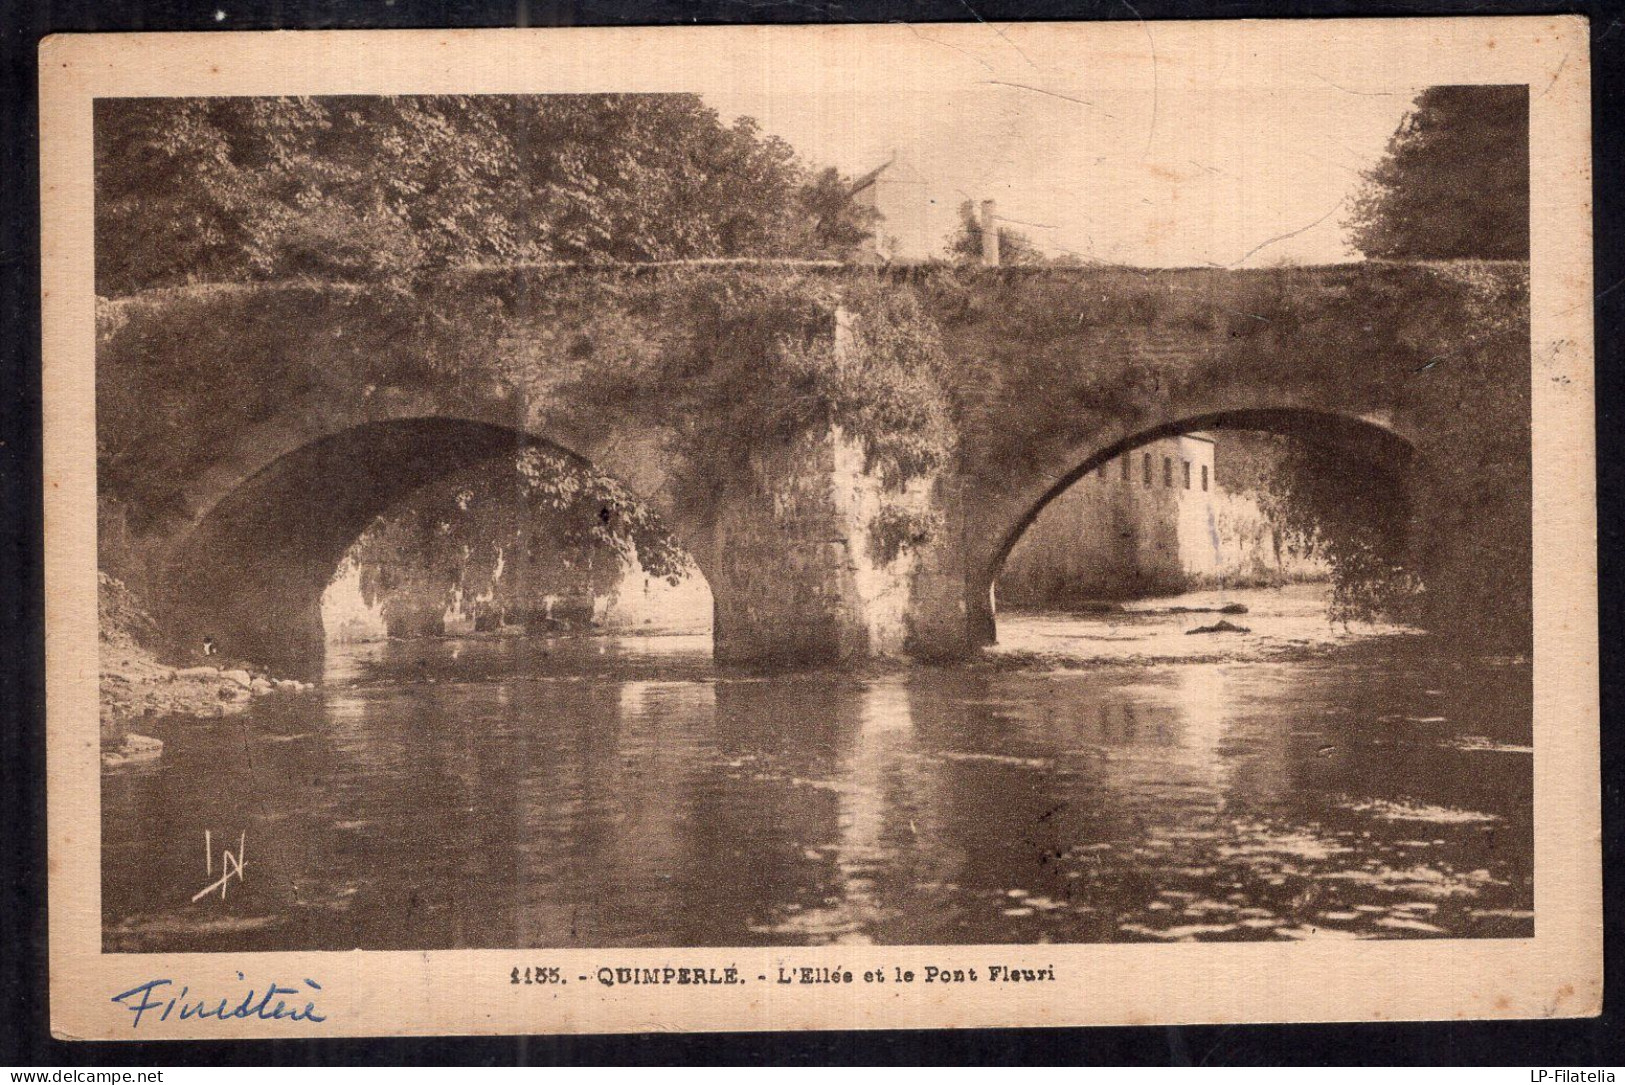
{"points": [[516, 539]]}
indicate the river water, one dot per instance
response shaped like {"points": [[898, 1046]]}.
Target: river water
{"points": [[1098, 778]]}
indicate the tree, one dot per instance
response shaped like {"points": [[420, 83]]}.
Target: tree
{"points": [[1454, 183], [499, 538], [834, 226], [387, 188], [1015, 247]]}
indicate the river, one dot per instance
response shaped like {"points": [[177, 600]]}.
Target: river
{"points": [[1098, 778]]}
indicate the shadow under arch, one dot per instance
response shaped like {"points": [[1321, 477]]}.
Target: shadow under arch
{"points": [[252, 570], [1364, 440]]}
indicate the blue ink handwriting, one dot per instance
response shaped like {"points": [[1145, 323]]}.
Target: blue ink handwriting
{"points": [[269, 1005]]}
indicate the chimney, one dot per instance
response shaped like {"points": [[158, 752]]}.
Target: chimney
{"points": [[990, 235]]}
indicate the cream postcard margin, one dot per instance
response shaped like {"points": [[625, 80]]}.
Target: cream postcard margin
{"points": [[1557, 973]]}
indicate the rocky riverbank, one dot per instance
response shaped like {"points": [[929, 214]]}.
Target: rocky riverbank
{"points": [[136, 685]]}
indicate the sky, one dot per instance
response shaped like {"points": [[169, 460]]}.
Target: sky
{"points": [[1118, 152]]}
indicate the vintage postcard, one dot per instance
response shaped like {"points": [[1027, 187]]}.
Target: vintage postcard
{"points": [[819, 527]]}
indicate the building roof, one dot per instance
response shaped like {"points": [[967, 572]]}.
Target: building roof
{"points": [[871, 177]]}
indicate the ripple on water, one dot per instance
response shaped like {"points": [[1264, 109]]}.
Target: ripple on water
{"points": [[136, 933], [1265, 843], [1400, 923], [1437, 815], [1307, 932], [1189, 932], [1420, 880], [1481, 744]]}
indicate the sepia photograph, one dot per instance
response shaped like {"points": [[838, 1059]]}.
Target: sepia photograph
{"points": [[1044, 504]]}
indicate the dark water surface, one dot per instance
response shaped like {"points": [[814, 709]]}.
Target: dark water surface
{"points": [[618, 791]]}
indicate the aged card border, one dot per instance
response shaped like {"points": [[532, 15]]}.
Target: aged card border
{"points": [[1555, 973]]}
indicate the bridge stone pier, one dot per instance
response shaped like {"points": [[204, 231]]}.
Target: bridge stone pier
{"points": [[248, 434]]}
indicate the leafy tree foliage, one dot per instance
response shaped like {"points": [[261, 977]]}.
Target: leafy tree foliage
{"points": [[386, 188], [501, 538], [1454, 183], [1357, 516], [756, 363]]}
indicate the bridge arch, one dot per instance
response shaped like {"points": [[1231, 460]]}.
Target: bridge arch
{"points": [[273, 519], [1376, 443]]}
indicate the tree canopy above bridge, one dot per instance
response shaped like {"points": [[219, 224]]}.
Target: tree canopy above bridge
{"points": [[366, 189], [1454, 184]]}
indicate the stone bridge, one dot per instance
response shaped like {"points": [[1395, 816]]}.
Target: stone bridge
{"points": [[247, 434]]}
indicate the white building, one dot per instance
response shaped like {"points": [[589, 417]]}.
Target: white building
{"points": [[1152, 521]]}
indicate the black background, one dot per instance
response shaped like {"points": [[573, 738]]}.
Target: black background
{"points": [[25, 1039]]}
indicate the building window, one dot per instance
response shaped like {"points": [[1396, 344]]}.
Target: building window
{"points": [[1145, 466], [1167, 473], [1187, 474], [1204, 478]]}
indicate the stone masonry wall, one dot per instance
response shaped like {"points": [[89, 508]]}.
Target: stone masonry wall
{"points": [[795, 575]]}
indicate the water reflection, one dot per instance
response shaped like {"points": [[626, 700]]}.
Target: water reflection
{"points": [[620, 792]]}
